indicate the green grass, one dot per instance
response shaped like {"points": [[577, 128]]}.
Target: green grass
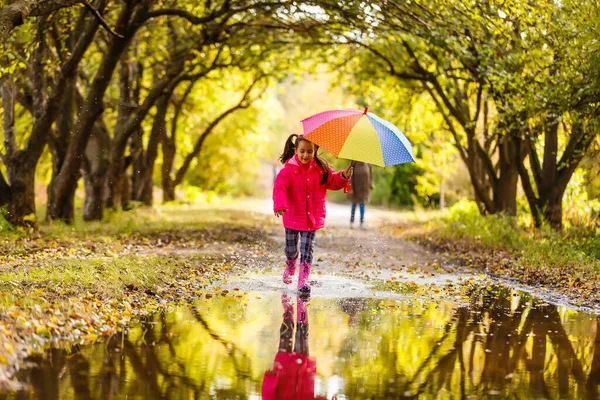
{"points": [[574, 245], [567, 260], [104, 278]]}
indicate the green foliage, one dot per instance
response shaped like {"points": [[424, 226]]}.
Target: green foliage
{"points": [[578, 247], [464, 220], [5, 226], [395, 186]]}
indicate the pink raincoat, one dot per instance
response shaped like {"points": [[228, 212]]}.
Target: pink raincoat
{"points": [[298, 190], [292, 378]]}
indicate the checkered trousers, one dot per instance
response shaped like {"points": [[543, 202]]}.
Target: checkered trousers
{"points": [[307, 243]]}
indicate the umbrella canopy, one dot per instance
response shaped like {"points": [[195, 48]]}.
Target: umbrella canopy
{"points": [[358, 135]]}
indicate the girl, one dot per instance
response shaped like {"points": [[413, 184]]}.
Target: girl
{"points": [[299, 195]]}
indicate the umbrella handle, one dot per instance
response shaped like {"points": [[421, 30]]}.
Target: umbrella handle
{"points": [[348, 185]]}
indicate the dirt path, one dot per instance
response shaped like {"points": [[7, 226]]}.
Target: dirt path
{"points": [[347, 262]]}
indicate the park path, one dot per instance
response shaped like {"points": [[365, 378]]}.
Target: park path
{"points": [[347, 262]]}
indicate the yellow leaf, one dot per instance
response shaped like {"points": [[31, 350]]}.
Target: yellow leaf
{"points": [[91, 337], [9, 348]]}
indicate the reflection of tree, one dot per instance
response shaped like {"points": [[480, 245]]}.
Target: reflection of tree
{"points": [[503, 340], [502, 343], [149, 365], [593, 379], [232, 349]]}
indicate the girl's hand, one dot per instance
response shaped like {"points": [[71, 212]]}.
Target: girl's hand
{"points": [[279, 213], [347, 173]]}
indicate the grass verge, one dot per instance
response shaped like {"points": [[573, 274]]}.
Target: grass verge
{"points": [[567, 262]]}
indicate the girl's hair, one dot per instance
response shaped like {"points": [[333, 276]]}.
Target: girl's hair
{"points": [[289, 150]]}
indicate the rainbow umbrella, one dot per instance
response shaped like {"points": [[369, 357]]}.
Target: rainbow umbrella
{"points": [[358, 135]]}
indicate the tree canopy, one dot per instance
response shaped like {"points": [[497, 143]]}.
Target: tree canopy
{"points": [[498, 98]]}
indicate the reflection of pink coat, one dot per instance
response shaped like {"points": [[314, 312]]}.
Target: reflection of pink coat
{"points": [[299, 191], [293, 378]]}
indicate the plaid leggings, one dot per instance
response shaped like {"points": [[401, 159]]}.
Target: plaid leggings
{"points": [[307, 243]]}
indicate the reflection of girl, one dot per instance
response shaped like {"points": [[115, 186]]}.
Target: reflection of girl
{"points": [[293, 374]]}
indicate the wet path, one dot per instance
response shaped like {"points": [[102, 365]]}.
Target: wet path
{"points": [[385, 320]]}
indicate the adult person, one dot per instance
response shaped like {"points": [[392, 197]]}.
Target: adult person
{"points": [[360, 190]]}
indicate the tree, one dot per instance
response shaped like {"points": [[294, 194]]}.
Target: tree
{"points": [[21, 163]]}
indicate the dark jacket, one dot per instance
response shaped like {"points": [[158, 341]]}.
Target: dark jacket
{"points": [[362, 183]]}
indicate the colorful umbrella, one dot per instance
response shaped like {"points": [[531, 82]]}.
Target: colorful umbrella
{"points": [[358, 135]]}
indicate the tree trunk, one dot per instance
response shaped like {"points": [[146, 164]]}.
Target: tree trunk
{"points": [[132, 127], [66, 181], [21, 176], [553, 211], [159, 128], [10, 140], [4, 191], [21, 164], [552, 177], [505, 190], [136, 148], [169, 147], [168, 185], [443, 194], [59, 142], [94, 171], [127, 105]]}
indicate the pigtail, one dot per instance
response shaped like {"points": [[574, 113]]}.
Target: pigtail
{"points": [[289, 149], [324, 166]]}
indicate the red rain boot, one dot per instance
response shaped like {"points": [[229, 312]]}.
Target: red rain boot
{"points": [[290, 270], [303, 285], [302, 314]]}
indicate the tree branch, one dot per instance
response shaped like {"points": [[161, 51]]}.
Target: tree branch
{"points": [[101, 20], [243, 103], [16, 13], [534, 161]]}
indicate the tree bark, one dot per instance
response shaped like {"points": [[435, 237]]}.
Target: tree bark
{"points": [[94, 171], [169, 147], [132, 125], [159, 128], [15, 14], [505, 191], [552, 177], [127, 105], [21, 176], [168, 185], [58, 142], [10, 141], [4, 191]]}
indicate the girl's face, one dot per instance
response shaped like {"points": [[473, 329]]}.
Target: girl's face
{"points": [[305, 151]]}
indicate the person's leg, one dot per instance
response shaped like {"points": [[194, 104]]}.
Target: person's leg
{"points": [[352, 212], [307, 242], [291, 254], [362, 215], [301, 345], [286, 331]]}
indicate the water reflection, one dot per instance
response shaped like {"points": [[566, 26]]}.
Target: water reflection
{"points": [[501, 344], [293, 373]]}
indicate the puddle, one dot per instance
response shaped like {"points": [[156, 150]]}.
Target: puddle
{"points": [[498, 343]]}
